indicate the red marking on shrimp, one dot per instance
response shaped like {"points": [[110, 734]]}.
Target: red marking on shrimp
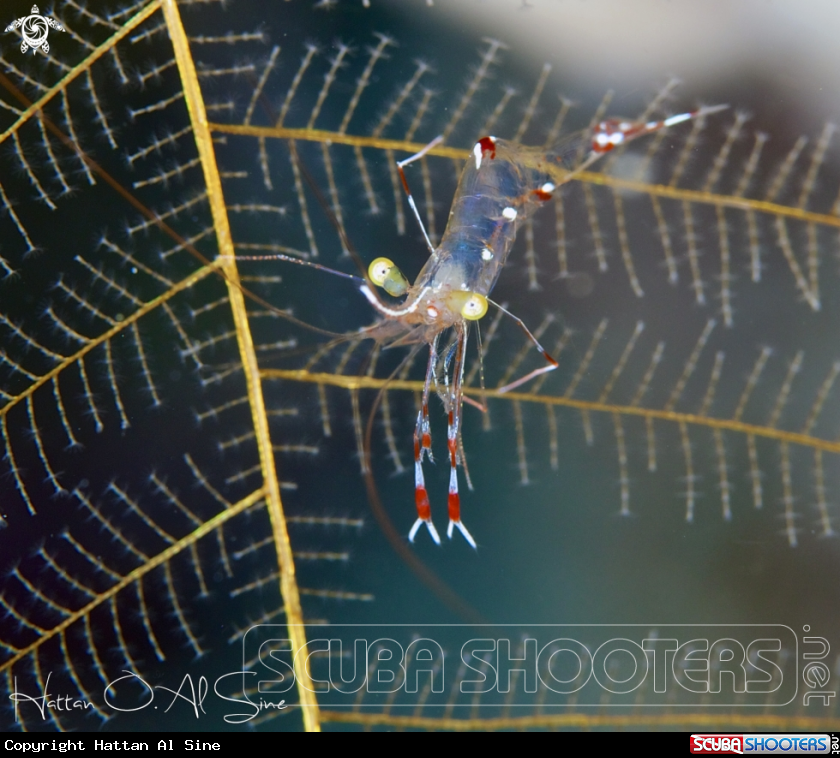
{"points": [[454, 506], [405, 184], [488, 145], [421, 499], [453, 451], [542, 194], [614, 132], [485, 146], [427, 441]]}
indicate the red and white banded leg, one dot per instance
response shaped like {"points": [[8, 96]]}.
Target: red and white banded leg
{"points": [[421, 495], [423, 445], [455, 407], [454, 497], [613, 132], [400, 164]]}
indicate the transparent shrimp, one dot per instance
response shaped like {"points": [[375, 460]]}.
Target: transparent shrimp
{"points": [[501, 185]]}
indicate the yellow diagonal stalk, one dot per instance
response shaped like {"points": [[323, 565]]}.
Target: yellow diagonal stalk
{"points": [[135, 576], [204, 142], [350, 382], [590, 177], [80, 68], [95, 342]]}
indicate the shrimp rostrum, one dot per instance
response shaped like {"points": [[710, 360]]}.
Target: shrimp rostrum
{"points": [[501, 185]]}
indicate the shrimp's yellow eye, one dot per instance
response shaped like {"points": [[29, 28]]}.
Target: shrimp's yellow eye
{"points": [[474, 307], [379, 269], [383, 273]]}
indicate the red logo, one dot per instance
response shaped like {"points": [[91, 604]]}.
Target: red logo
{"points": [[717, 744]]}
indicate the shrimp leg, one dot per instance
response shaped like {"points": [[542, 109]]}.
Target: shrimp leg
{"points": [[452, 437], [400, 164], [551, 363], [423, 444]]}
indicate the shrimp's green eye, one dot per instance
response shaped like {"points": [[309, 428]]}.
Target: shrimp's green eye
{"points": [[474, 307], [383, 273]]}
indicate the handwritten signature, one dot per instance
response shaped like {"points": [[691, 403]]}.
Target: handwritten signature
{"points": [[192, 692]]}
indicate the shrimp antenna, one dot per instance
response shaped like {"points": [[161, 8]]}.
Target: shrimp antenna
{"points": [[298, 261], [552, 363], [328, 212]]}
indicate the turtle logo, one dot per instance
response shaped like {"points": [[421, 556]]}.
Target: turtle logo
{"points": [[34, 30]]}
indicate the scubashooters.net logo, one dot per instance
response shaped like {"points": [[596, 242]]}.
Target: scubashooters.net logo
{"points": [[606, 666], [762, 744]]}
